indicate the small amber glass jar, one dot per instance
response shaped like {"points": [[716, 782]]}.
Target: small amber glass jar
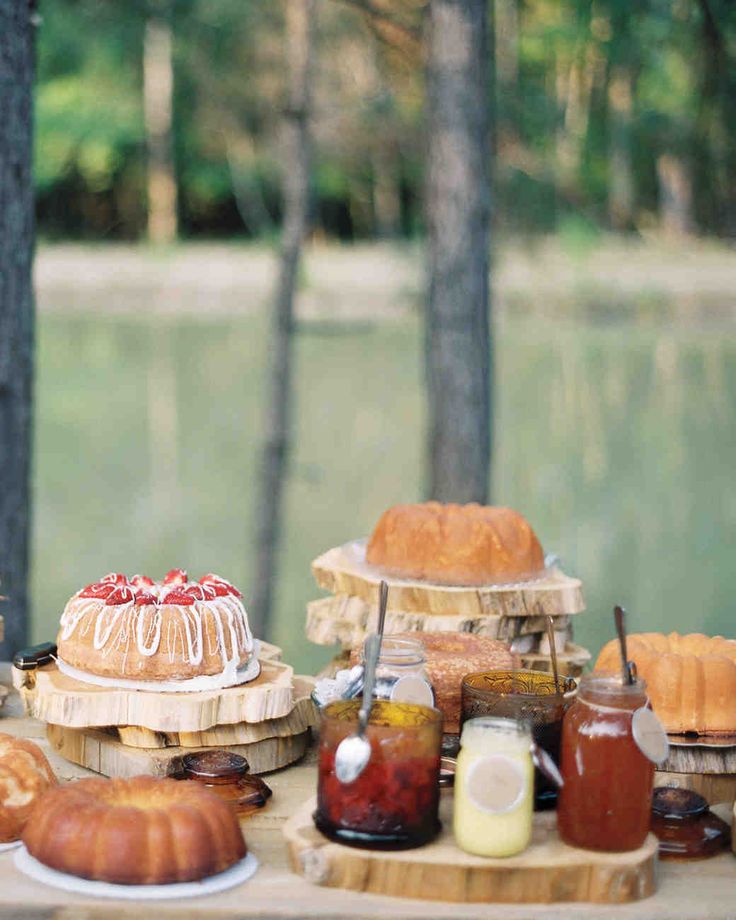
{"points": [[393, 804], [606, 799], [685, 827], [226, 774], [529, 696]]}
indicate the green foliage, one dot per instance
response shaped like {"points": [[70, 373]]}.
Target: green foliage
{"points": [[561, 144]]}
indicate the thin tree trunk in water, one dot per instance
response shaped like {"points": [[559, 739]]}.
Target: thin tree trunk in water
{"points": [[296, 163], [16, 314], [458, 342], [158, 104]]}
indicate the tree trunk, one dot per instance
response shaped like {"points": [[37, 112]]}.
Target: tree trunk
{"points": [[296, 164], [675, 195], [16, 314], [621, 173], [458, 342], [158, 96]]}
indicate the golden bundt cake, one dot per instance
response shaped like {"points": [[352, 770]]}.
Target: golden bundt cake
{"points": [[139, 831], [691, 679], [25, 775], [144, 630], [456, 544]]}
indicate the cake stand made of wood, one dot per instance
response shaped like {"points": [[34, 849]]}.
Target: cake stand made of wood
{"points": [[548, 871], [702, 766], [129, 751], [343, 570], [348, 619]]}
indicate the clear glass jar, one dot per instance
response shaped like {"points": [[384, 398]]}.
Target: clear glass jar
{"points": [[605, 803], [393, 803], [494, 787], [401, 673]]}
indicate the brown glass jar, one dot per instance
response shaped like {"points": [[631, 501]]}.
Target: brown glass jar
{"points": [[226, 774], [684, 825]]}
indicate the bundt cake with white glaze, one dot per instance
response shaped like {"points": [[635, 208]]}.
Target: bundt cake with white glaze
{"points": [[456, 544], [25, 775], [136, 628], [138, 831], [691, 679]]}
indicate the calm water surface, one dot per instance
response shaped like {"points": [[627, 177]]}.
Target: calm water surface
{"points": [[615, 435]]}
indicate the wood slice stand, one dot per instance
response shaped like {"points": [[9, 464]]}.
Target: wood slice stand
{"points": [[711, 771], [548, 871], [343, 570], [347, 620], [53, 697]]}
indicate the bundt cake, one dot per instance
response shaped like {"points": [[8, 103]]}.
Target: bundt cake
{"points": [[455, 544], [25, 775], [139, 831], [691, 679], [144, 630]]}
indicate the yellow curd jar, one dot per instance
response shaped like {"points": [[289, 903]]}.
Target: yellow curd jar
{"points": [[494, 787]]}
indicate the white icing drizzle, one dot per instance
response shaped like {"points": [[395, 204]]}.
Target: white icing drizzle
{"points": [[116, 626]]}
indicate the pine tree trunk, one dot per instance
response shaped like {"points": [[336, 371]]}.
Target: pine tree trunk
{"points": [[620, 167], [16, 314], [458, 342], [296, 165], [158, 104]]}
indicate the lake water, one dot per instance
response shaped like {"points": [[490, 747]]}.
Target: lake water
{"points": [[615, 433]]}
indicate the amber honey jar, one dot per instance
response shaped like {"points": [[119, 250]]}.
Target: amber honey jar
{"points": [[393, 803], [606, 799], [226, 774], [685, 826]]}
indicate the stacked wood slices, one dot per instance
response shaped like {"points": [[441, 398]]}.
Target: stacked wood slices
{"points": [[236, 693], [454, 589]]}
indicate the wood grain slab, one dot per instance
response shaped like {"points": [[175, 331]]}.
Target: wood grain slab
{"points": [[343, 570], [303, 716], [548, 871], [571, 662], [347, 619], [54, 697], [97, 750], [713, 787]]}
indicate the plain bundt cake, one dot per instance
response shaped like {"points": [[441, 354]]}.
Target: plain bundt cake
{"points": [[139, 831], [25, 775], [144, 630], [456, 544], [691, 679]]}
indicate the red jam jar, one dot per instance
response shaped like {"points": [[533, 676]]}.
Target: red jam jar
{"points": [[605, 803], [393, 804]]}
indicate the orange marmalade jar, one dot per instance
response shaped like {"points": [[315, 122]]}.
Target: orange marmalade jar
{"points": [[605, 803]]}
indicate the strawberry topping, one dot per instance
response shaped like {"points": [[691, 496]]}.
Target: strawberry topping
{"points": [[141, 581], [97, 590], [176, 577], [180, 597], [209, 591], [143, 599], [195, 592], [115, 578], [121, 595], [220, 589], [209, 578]]}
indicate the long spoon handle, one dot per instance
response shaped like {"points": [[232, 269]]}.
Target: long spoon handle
{"points": [[382, 602], [370, 655], [553, 652], [619, 615]]}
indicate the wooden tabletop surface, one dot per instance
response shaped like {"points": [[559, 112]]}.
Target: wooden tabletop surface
{"points": [[689, 891]]}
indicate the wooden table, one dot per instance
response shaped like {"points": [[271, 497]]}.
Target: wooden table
{"points": [[689, 891]]}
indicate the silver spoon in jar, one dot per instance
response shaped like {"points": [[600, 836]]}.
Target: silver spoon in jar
{"points": [[628, 668], [354, 752], [553, 652]]}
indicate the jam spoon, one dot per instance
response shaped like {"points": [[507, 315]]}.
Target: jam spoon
{"points": [[354, 752]]}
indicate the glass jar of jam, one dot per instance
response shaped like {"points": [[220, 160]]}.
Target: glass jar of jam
{"points": [[494, 787], [401, 674], [606, 800], [393, 804], [226, 774]]}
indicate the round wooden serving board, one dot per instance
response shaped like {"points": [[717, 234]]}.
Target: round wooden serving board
{"points": [[343, 570], [548, 871], [54, 697], [708, 770]]}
